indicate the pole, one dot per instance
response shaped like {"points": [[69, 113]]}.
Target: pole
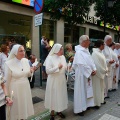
{"points": [[105, 10], [40, 52]]}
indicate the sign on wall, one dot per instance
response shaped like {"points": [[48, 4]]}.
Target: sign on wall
{"points": [[25, 2], [38, 19]]}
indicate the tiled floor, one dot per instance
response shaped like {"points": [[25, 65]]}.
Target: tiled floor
{"points": [[108, 117]]}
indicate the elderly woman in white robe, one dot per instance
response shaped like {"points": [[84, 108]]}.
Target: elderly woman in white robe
{"points": [[17, 71], [98, 79], [56, 98]]}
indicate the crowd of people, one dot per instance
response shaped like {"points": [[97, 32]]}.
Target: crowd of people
{"points": [[96, 74]]}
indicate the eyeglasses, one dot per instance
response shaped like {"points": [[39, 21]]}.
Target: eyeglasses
{"points": [[22, 51]]}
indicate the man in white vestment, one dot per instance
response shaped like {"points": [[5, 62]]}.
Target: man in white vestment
{"points": [[84, 67], [117, 51], [115, 68], [98, 79], [110, 61]]}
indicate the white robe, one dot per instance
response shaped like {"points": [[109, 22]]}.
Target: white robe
{"points": [[98, 79], [83, 66], [56, 89], [117, 51], [16, 75], [108, 79], [115, 70]]}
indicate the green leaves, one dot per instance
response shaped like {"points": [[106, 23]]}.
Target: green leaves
{"points": [[112, 13], [72, 11]]}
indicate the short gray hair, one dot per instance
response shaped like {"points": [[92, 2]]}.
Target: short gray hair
{"points": [[83, 38], [107, 37]]}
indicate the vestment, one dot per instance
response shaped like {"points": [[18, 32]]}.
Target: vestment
{"points": [[98, 79], [16, 76], [108, 79], [56, 89], [117, 51], [83, 66], [115, 70]]}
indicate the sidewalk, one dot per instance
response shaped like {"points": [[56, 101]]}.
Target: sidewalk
{"points": [[109, 111]]}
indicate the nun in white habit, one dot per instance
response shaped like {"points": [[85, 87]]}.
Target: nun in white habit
{"points": [[56, 98], [17, 71]]}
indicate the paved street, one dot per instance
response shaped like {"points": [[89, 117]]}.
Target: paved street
{"points": [[109, 111]]}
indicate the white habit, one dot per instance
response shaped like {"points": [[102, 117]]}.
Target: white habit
{"points": [[16, 75], [98, 79], [83, 66], [56, 89]]}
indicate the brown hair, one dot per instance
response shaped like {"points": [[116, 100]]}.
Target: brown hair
{"points": [[3, 48]]}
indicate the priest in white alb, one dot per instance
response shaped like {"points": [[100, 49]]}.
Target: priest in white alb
{"points": [[115, 68], [110, 61], [117, 51], [98, 79], [84, 67]]}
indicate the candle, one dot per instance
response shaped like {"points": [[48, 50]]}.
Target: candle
{"points": [[12, 95], [68, 67]]}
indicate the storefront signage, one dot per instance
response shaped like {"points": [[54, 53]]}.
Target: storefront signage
{"points": [[108, 25], [91, 19], [38, 19], [25, 2]]}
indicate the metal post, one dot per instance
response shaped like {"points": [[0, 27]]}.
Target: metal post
{"points": [[40, 52]]}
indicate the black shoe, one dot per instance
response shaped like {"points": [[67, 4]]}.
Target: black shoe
{"points": [[107, 97], [81, 114], [97, 107], [52, 117], [114, 90], [104, 103], [88, 108], [60, 114]]}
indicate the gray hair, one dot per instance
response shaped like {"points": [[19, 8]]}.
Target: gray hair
{"points": [[107, 37], [83, 38]]}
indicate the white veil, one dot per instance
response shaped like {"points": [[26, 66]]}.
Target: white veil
{"points": [[13, 51], [55, 49]]}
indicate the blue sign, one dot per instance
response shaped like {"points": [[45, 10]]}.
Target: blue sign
{"points": [[38, 6]]}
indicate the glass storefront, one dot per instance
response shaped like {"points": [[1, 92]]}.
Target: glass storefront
{"points": [[15, 28], [48, 30], [71, 35]]}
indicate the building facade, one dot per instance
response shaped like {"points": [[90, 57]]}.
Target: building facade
{"points": [[17, 22]]}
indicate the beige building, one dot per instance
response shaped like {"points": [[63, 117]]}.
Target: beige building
{"points": [[17, 23]]}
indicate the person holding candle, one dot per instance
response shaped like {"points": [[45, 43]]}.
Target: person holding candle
{"points": [[17, 71], [56, 98], [4, 99]]}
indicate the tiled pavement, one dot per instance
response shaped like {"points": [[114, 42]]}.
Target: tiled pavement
{"points": [[109, 111]]}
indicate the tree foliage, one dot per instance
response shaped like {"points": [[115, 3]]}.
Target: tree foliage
{"points": [[72, 11], [112, 13]]}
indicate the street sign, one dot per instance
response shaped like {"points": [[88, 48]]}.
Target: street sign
{"points": [[38, 19], [38, 6]]}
